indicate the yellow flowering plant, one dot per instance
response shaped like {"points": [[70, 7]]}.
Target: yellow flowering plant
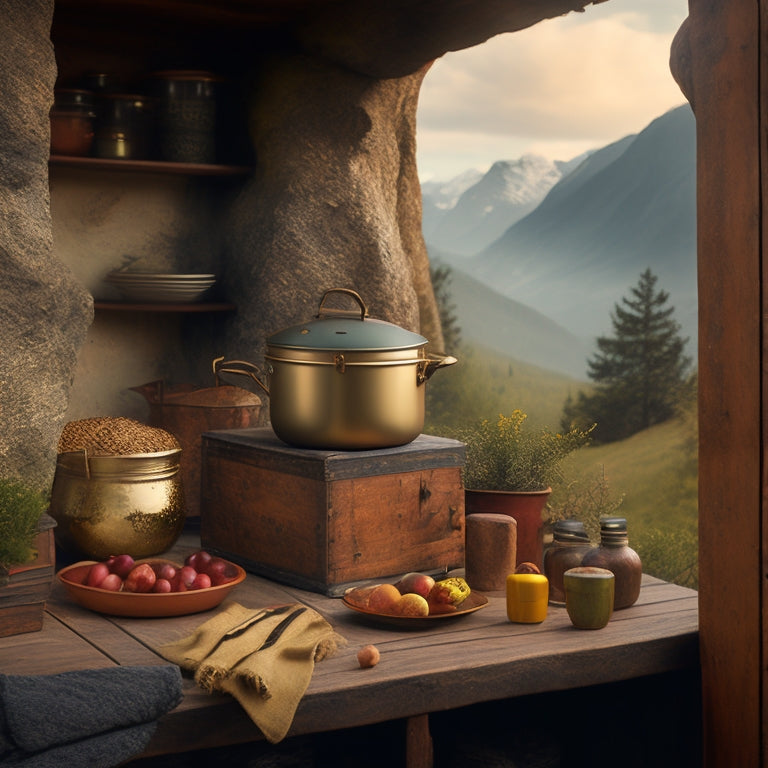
{"points": [[504, 456]]}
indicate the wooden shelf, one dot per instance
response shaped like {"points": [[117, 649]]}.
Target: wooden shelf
{"points": [[122, 306], [149, 166]]}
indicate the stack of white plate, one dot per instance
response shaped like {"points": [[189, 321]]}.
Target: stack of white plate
{"points": [[163, 288]]}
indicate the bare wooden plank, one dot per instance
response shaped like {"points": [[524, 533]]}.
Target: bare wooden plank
{"points": [[54, 649]]}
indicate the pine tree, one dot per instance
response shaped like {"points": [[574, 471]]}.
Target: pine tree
{"points": [[441, 282], [639, 372]]}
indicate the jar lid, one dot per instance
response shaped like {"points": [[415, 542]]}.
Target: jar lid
{"points": [[613, 524], [196, 75], [72, 97], [570, 530]]}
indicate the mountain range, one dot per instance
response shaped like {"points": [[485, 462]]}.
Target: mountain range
{"points": [[564, 242]]}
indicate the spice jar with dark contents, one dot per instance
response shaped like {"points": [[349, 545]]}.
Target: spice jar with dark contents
{"points": [[615, 554]]}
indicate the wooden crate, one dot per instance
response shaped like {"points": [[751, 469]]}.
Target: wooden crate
{"points": [[22, 599], [326, 520]]}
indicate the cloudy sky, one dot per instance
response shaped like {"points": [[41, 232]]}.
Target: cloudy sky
{"points": [[557, 89]]}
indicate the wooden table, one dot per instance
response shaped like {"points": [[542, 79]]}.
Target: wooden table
{"points": [[475, 658]]}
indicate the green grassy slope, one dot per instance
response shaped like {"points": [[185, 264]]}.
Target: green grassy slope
{"points": [[484, 384], [655, 471]]}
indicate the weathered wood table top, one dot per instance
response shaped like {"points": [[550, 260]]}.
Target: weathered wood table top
{"points": [[469, 659]]}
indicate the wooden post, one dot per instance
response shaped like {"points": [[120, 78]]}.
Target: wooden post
{"points": [[418, 742], [730, 110]]}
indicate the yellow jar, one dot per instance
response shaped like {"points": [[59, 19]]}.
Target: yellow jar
{"points": [[527, 597]]}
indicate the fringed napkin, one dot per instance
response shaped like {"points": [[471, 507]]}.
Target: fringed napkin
{"points": [[264, 658]]}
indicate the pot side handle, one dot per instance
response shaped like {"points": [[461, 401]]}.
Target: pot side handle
{"points": [[429, 366], [241, 368]]}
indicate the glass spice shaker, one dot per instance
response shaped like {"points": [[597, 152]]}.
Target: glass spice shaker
{"points": [[570, 542], [615, 554]]}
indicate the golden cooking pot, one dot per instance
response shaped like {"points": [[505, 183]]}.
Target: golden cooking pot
{"points": [[344, 381]]}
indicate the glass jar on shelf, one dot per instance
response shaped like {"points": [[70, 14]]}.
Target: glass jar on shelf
{"points": [[123, 130], [72, 122], [186, 115]]}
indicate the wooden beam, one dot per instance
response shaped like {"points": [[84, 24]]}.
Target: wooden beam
{"points": [[724, 47]]}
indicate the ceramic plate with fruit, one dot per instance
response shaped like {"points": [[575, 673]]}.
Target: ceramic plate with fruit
{"points": [[415, 600], [151, 587]]}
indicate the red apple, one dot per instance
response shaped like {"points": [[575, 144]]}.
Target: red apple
{"points": [[187, 575], [162, 585], [221, 571], [415, 583], [202, 581], [166, 571], [141, 579], [199, 560], [121, 565], [97, 573], [112, 582]]}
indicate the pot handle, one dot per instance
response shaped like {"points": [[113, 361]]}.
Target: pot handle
{"points": [[245, 369], [343, 312], [429, 366]]}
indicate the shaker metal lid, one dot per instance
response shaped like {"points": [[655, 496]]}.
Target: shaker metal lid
{"points": [[339, 329]]}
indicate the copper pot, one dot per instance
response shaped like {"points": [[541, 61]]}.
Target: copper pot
{"points": [[187, 412], [345, 381]]}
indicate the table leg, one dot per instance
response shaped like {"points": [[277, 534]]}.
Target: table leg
{"points": [[418, 742]]}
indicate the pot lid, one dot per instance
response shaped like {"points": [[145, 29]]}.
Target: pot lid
{"points": [[337, 329]]}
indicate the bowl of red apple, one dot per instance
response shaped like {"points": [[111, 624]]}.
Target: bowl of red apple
{"points": [[122, 586]]}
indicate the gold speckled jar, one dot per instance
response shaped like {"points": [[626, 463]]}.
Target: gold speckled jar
{"points": [[109, 505], [186, 115]]}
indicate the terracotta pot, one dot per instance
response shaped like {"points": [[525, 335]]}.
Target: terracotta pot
{"points": [[526, 507]]}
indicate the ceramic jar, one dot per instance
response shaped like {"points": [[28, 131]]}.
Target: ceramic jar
{"points": [[589, 595], [615, 554], [570, 543]]}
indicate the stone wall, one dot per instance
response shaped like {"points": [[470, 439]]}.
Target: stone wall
{"points": [[45, 310]]}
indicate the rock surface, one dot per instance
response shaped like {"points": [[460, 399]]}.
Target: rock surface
{"points": [[334, 203], [45, 312]]}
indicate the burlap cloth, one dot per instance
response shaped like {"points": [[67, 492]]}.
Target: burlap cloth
{"points": [[264, 658]]}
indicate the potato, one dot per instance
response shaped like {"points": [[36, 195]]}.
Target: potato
{"points": [[368, 656]]}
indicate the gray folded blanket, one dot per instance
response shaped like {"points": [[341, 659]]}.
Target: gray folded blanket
{"points": [[92, 718]]}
